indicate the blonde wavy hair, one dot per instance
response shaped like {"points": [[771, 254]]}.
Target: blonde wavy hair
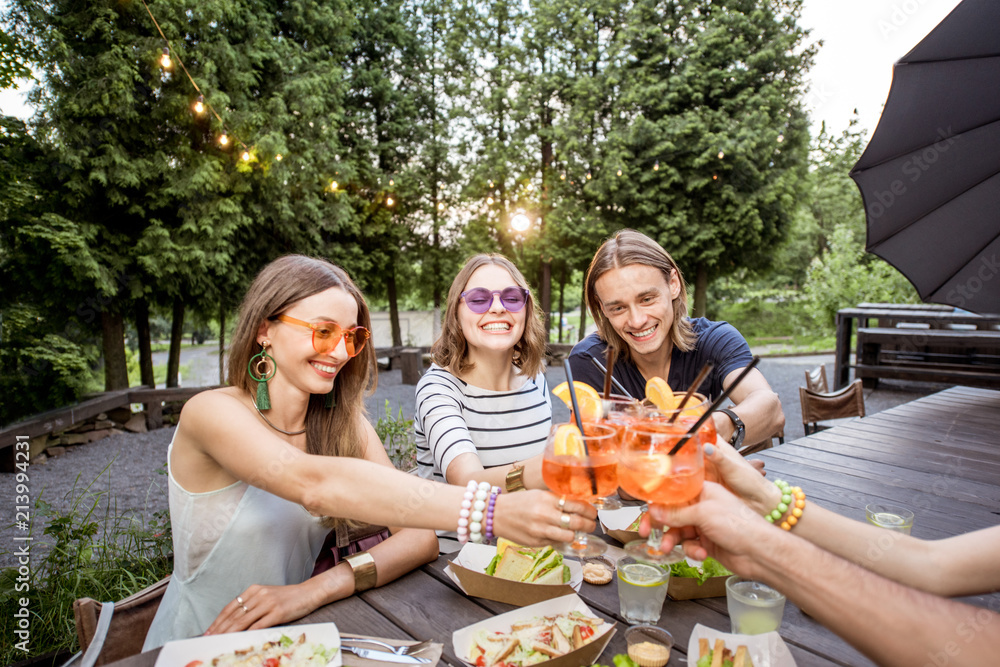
{"points": [[451, 349], [623, 249]]}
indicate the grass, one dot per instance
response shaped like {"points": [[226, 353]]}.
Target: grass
{"points": [[97, 552], [776, 346]]}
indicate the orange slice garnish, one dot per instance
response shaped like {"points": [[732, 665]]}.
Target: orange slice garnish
{"points": [[567, 441], [591, 406], [659, 392]]}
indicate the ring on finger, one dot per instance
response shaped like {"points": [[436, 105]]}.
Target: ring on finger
{"points": [[562, 504], [245, 610], [239, 599], [564, 521]]}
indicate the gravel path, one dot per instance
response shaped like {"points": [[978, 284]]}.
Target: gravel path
{"points": [[130, 466]]}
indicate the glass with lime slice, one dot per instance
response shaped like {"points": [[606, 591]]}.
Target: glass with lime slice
{"points": [[642, 589]]}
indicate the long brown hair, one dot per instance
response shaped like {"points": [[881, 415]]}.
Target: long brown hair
{"points": [[279, 285], [450, 349], [631, 247]]}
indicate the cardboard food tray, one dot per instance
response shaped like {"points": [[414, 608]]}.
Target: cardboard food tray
{"points": [[687, 588], [468, 571], [585, 655], [766, 650], [184, 651], [614, 523]]}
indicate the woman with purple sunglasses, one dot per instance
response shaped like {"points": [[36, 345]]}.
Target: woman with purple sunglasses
{"points": [[483, 410]]}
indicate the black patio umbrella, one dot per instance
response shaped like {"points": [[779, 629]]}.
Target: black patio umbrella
{"points": [[930, 176]]}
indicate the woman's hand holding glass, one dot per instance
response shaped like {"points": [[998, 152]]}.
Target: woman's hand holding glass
{"points": [[582, 468]]}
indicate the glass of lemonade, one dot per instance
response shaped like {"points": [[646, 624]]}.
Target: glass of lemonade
{"points": [[642, 589], [891, 517], [754, 607]]}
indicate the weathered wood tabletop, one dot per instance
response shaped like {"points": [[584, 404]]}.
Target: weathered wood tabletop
{"points": [[938, 455]]}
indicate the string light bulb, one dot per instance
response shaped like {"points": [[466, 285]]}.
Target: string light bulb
{"points": [[246, 156], [165, 61], [656, 167], [781, 138], [392, 182], [715, 177], [529, 187], [199, 105], [223, 140], [489, 200], [440, 205], [721, 155], [562, 177], [389, 201], [588, 175], [619, 172], [334, 185], [278, 157]]}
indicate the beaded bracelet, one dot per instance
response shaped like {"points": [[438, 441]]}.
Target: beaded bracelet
{"points": [[793, 501], [494, 492], [470, 517]]}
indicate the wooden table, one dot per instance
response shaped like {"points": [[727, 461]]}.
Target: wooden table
{"points": [[935, 318], [938, 455]]}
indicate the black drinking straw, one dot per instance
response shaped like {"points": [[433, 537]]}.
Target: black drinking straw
{"points": [[715, 406], [616, 383], [607, 374], [702, 374], [579, 421]]}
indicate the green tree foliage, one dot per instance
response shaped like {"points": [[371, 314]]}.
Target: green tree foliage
{"points": [[845, 275], [14, 58], [711, 136]]}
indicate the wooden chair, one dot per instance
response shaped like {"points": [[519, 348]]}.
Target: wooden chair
{"points": [[816, 380], [822, 406], [111, 631], [746, 450]]}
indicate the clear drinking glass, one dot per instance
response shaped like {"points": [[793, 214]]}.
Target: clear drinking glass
{"points": [[754, 607], [647, 470], [642, 589], [581, 467]]}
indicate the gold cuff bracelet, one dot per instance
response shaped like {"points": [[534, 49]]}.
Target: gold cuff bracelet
{"points": [[365, 574], [515, 479]]}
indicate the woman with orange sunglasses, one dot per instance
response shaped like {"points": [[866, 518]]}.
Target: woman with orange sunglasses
{"points": [[261, 470]]}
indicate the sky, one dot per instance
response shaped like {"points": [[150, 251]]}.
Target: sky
{"points": [[853, 69]]}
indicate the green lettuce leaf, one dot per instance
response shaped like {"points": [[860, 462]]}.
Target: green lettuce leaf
{"points": [[709, 568], [492, 567]]}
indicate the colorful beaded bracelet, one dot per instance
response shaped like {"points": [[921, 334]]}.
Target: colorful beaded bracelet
{"points": [[793, 502], [494, 492]]}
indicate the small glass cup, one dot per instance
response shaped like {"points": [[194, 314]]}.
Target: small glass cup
{"points": [[891, 517], [649, 645], [754, 607], [642, 589]]}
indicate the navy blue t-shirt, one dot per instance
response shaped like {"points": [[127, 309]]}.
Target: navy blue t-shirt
{"points": [[718, 341]]}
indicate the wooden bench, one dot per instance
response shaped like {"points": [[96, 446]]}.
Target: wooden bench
{"points": [[895, 341], [959, 356]]}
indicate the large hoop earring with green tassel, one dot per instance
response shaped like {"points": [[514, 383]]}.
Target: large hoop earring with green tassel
{"points": [[266, 367]]}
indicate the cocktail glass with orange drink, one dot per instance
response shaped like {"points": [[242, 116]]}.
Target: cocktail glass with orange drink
{"points": [[648, 471], [584, 467]]}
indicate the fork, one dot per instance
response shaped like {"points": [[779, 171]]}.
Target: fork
{"points": [[398, 650]]}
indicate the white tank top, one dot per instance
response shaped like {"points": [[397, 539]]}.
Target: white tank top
{"points": [[225, 541]]}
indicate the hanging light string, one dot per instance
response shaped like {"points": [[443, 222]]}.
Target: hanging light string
{"points": [[224, 138]]}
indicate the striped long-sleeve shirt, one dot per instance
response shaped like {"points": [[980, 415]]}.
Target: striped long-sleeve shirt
{"points": [[453, 417]]}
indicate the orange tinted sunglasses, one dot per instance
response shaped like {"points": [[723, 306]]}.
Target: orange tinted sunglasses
{"points": [[326, 335]]}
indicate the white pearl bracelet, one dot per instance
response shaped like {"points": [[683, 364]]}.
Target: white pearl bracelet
{"points": [[470, 517]]}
